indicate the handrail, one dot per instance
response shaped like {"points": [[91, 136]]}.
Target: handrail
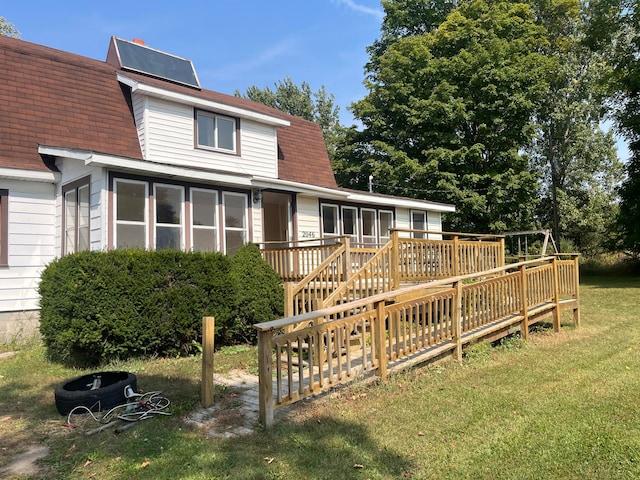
{"points": [[361, 276]]}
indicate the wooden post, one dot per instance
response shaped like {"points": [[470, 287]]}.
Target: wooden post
{"points": [[347, 265], [576, 296], [265, 382], [524, 292], [394, 273], [456, 319], [208, 328], [556, 296], [501, 260], [288, 299], [379, 338], [456, 256]]}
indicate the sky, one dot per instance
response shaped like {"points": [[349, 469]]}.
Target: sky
{"points": [[232, 44]]}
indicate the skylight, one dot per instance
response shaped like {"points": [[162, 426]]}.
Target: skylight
{"points": [[142, 59]]}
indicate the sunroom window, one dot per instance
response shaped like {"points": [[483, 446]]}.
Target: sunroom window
{"points": [[216, 132], [131, 214], [204, 230], [76, 216], [169, 218]]}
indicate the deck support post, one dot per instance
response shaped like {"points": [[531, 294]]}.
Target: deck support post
{"points": [[288, 299], [265, 390], [524, 293], [556, 296], [346, 263], [208, 329], [394, 274], [379, 339], [456, 319], [456, 256], [576, 295]]}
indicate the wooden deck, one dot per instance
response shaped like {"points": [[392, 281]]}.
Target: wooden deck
{"points": [[306, 354]]}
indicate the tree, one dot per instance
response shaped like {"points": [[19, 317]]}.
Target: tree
{"points": [[613, 27], [448, 112], [577, 161], [7, 29], [300, 101]]}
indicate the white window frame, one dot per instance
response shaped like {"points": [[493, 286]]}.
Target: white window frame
{"points": [[117, 222], [80, 216], [215, 229], [157, 224], [384, 239], [336, 223], [245, 228], [373, 238], [425, 225], [354, 237], [215, 135]]}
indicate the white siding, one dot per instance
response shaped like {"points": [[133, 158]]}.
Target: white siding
{"points": [[139, 110], [434, 224], [31, 243], [169, 138], [256, 219], [403, 220], [308, 218]]}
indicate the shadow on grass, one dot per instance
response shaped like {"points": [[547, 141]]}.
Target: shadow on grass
{"points": [[322, 448]]}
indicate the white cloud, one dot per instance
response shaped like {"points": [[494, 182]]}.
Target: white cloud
{"points": [[267, 57], [375, 12]]}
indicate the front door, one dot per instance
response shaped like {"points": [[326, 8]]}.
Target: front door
{"points": [[276, 219]]}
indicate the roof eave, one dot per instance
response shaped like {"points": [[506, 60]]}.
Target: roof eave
{"points": [[194, 101]]}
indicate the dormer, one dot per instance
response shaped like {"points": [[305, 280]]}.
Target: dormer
{"points": [[179, 123]]}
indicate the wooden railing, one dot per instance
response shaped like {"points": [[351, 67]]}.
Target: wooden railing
{"points": [[424, 259], [293, 261], [384, 332]]}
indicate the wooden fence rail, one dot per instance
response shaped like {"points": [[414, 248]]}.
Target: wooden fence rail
{"points": [[371, 336]]}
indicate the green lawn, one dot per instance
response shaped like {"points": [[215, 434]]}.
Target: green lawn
{"points": [[562, 406]]}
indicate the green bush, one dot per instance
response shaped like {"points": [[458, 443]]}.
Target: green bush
{"points": [[101, 306], [260, 294]]}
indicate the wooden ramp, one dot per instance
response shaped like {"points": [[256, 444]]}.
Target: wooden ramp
{"points": [[386, 332]]}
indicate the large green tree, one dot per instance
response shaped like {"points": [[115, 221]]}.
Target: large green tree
{"points": [[448, 112], [577, 161], [301, 101], [614, 28], [7, 29]]}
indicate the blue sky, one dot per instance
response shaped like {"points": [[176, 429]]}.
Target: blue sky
{"points": [[233, 44]]}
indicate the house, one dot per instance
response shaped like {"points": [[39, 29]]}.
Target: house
{"points": [[133, 152]]}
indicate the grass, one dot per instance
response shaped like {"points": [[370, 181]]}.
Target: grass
{"points": [[562, 406]]}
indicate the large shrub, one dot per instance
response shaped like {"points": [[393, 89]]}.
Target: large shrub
{"points": [[99, 306], [260, 294]]}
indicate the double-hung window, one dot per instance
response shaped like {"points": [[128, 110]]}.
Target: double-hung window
{"points": [[4, 226], [329, 220], [131, 214], [76, 216], [216, 131], [235, 221], [204, 220], [386, 224], [418, 222], [169, 201], [350, 223], [368, 226]]}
